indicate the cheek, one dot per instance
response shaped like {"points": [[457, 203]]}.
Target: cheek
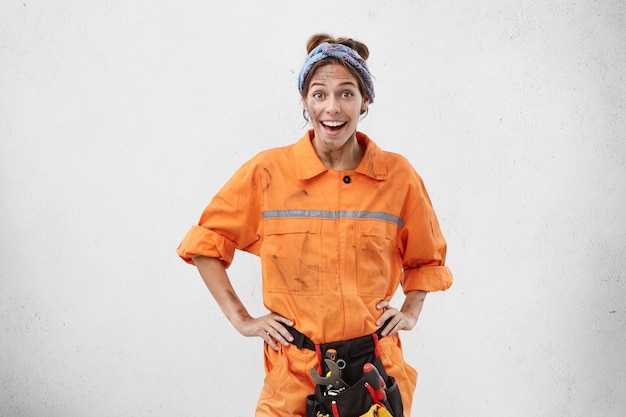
{"points": [[311, 109], [357, 111]]}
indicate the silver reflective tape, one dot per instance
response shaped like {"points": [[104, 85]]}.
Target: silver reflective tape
{"points": [[333, 215]]}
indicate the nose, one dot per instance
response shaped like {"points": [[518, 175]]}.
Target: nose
{"points": [[333, 105]]}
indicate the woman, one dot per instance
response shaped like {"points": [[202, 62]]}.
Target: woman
{"points": [[338, 224]]}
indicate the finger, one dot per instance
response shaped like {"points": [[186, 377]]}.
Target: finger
{"points": [[283, 335], [278, 331], [267, 337], [387, 314], [280, 334], [388, 328], [391, 329], [283, 320], [272, 344], [383, 318], [394, 325]]}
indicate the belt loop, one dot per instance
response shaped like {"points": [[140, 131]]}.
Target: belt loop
{"points": [[376, 348]]}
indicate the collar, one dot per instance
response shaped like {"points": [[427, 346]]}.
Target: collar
{"points": [[309, 165]]}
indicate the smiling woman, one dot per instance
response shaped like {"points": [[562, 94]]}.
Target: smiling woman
{"points": [[336, 88], [339, 225]]}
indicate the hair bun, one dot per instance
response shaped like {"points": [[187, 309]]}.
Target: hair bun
{"points": [[320, 38]]}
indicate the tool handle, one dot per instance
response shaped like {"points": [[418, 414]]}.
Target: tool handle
{"points": [[373, 378]]}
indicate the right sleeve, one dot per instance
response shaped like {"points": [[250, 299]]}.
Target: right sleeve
{"points": [[232, 220]]}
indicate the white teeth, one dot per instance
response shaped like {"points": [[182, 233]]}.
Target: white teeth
{"points": [[334, 124]]}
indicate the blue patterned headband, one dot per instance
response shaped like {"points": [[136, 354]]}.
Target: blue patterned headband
{"points": [[337, 50]]}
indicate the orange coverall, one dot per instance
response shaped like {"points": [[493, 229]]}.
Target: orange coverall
{"points": [[332, 245]]}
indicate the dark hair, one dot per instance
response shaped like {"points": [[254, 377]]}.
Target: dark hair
{"points": [[357, 46]]}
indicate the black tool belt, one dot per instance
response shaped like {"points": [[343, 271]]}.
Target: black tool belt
{"points": [[350, 377]]}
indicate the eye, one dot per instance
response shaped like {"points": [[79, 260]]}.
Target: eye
{"points": [[347, 94], [318, 95]]}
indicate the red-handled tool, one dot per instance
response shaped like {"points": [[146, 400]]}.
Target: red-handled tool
{"points": [[373, 378]]}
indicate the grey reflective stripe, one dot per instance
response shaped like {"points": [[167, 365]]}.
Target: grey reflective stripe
{"points": [[333, 215]]}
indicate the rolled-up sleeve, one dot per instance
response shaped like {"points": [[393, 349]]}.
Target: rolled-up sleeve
{"points": [[232, 220], [202, 241], [424, 247], [427, 278]]}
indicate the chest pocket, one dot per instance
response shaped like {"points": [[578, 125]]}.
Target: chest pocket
{"points": [[376, 257], [291, 256]]}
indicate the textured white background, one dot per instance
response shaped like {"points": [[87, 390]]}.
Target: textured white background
{"points": [[120, 119]]}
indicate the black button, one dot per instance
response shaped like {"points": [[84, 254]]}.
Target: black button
{"points": [[347, 179]]}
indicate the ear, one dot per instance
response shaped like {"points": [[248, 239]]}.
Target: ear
{"points": [[365, 104]]}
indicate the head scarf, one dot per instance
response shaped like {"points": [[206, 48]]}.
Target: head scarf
{"points": [[345, 53]]}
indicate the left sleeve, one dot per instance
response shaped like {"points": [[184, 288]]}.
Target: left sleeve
{"points": [[422, 243]]}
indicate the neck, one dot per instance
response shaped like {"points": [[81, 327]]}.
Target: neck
{"points": [[346, 158]]}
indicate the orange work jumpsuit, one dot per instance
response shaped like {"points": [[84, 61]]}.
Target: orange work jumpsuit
{"points": [[332, 245]]}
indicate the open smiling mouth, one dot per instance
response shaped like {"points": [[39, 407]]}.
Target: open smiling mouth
{"points": [[333, 125]]}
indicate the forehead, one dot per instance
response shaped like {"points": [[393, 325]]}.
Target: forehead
{"points": [[333, 73]]}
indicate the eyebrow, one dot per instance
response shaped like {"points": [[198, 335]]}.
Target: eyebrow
{"points": [[351, 83]]}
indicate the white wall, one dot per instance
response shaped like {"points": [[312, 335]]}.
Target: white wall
{"points": [[120, 119]]}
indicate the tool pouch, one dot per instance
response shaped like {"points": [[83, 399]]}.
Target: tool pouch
{"points": [[353, 402], [356, 399]]}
